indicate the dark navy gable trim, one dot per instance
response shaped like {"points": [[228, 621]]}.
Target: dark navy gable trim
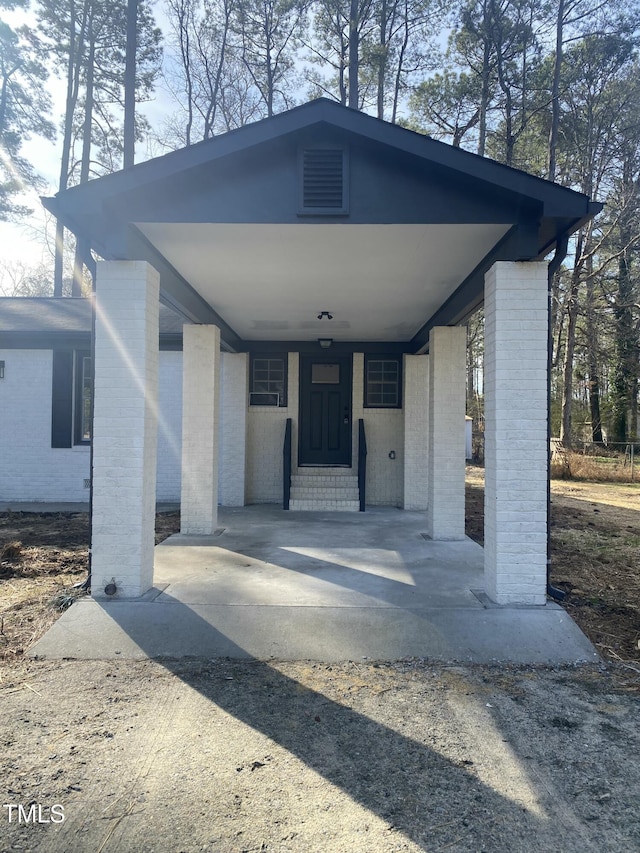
{"points": [[62, 399], [323, 112]]}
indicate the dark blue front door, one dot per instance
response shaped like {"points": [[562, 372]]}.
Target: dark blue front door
{"points": [[325, 410]]}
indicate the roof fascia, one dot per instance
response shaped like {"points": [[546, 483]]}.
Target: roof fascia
{"points": [[72, 340], [46, 340]]}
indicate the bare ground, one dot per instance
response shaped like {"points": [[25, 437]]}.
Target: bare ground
{"points": [[231, 756]]}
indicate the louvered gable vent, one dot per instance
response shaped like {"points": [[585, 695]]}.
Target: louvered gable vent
{"points": [[323, 181]]}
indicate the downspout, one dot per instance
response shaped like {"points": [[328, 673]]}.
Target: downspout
{"points": [[554, 266]]}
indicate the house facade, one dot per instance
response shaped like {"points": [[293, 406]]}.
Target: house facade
{"points": [[45, 401], [324, 263]]}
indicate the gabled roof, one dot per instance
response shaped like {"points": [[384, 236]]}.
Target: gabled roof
{"points": [[558, 200], [222, 215]]}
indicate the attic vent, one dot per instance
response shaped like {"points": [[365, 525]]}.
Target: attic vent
{"points": [[324, 181]]}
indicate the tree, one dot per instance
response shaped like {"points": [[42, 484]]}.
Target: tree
{"points": [[270, 32], [19, 279], [448, 104], [24, 111], [206, 73], [594, 68], [87, 42]]}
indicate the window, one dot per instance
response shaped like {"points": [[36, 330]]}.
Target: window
{"points": [[382, 382], [268, 384], [83, 395], [72, 390]]}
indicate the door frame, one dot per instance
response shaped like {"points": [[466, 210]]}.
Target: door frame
{"points": [[346, 362]]}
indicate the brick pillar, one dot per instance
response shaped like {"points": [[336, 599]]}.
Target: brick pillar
{"points": [[200, 414], [416, 431], [446, 466], [515, 387], [125, 428], [233, 428]]}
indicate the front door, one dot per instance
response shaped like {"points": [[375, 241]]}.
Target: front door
{"points": [[325, 410]]}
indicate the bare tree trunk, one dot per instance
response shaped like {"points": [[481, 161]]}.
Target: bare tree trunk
{"points": [[594, 372], [354, 51], [555, 93], [400, 66], [76, 48], [570, 346], [130, 85], [484, 97], [81, 245]]}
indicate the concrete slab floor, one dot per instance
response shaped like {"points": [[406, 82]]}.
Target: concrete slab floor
{"points": [[320, 586]]}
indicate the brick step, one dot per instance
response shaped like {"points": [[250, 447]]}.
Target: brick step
{"points": [[320, 505], [324, 493], [324, 482]]}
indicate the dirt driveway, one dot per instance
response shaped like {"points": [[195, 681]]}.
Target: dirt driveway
{"points": [[231, 756]]}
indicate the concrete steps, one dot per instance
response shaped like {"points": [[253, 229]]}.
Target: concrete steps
{"points": [[324, 489]]}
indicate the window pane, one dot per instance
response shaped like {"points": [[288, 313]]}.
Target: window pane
{"points": [[383, 383], [325, 374], [268, 382]]}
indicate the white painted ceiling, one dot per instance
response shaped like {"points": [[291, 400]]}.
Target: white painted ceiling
{"points": [[269, 282]]}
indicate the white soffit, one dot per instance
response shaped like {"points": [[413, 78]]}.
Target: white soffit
{"points": [[269, 282]]}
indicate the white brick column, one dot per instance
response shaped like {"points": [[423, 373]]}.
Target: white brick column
{"points": [[446, 460], [125, 428], [233, 428], [515, 394], [415, 402], [200, 414]]}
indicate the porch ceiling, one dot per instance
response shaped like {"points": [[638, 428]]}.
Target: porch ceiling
{"points": [[269, 281]]}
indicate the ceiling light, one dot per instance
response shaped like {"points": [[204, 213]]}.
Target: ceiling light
{"points": [[325, 343], [326, 314]]}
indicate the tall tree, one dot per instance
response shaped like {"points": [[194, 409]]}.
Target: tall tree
{"points": [[87, 42], [24, 111], [270, 32]]}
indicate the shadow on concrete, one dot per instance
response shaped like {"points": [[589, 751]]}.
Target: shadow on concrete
{"points": [[393, 776]]}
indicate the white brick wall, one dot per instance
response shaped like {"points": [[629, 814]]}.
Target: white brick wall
{"points": [[169, 426], [200, 429], [416, 431], [447, 387], [125, 427], [265, 437], [30, 469], [233, 428], [384, 433], [516, 432]]}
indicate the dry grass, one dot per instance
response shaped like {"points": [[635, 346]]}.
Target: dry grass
{"points": [[43, 560], [568, 465]]}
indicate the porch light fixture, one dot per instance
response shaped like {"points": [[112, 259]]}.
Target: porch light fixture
{"points": [[325, 343], [1, 369], [326, 314]]}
